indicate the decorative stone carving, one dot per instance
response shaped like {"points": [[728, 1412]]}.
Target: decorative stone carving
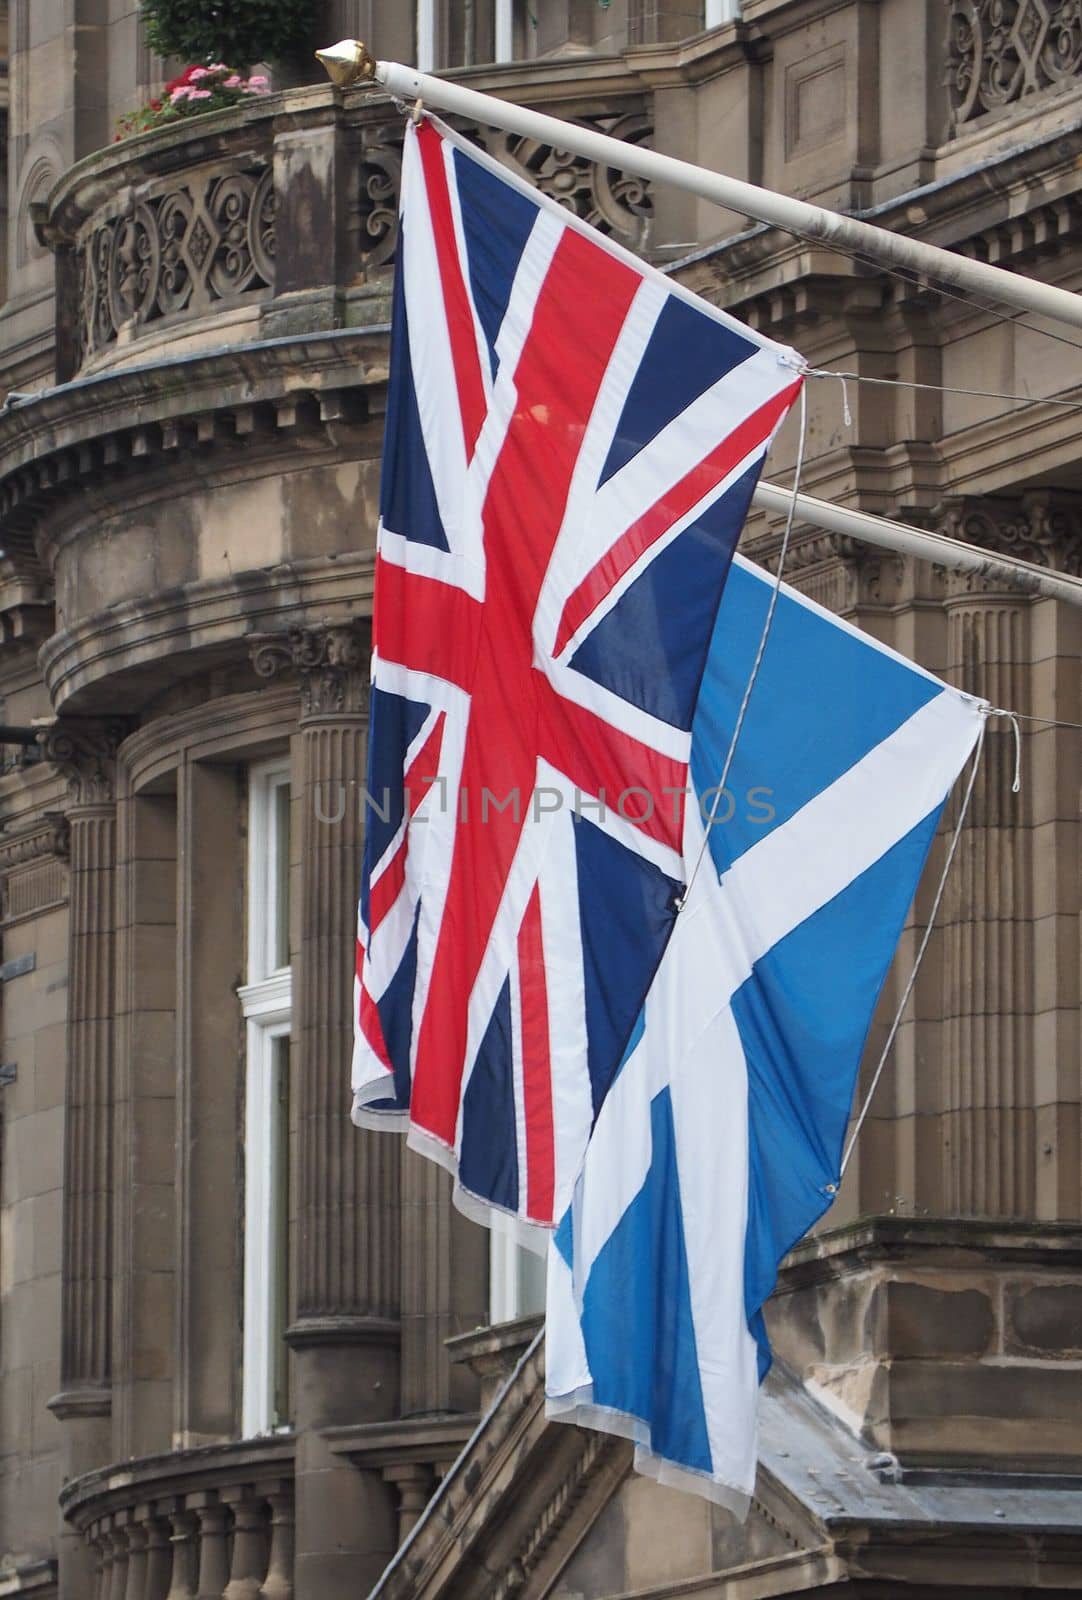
{"points": [[33, 867], [182, 246], [596, 1448], [616, 202], [380, 178], [834, 570], [332, 661], [48, 836], [1001, 50], [1040, 527], [84, 748]]}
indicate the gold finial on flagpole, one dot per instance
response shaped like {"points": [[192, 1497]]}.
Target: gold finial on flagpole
{"points": [[348, 62]]}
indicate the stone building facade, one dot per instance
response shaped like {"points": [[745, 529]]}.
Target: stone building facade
{"points": [[243, 1346]]}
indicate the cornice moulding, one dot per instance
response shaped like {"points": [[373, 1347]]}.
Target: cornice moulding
{"points": [[43, 839], [214, 617]]}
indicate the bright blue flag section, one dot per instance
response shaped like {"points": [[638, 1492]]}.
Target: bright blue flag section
{"points": [[720, 1141]]}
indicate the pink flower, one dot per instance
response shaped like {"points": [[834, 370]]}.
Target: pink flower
{"points": [[218, 66], [198, 74], [234, 82], [259, 82], [199, 94], [180, 94], [179, 83]]}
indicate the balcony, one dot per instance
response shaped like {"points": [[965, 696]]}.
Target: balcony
{"points": [[276, 216], [216, 1522]]}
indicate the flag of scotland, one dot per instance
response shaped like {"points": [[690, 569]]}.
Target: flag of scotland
{"points": [[719, 1143]]}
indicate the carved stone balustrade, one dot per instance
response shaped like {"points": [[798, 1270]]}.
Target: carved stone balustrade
{"points": [[209, 1524], [1002, 50], [277, 215]]}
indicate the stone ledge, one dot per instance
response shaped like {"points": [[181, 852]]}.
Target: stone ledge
{"points": [[32, 1577], [493, 1352], [78, 1403], [123, 656], [94, 432], [309, 1333], [948, 1343], [434, 1440], [176, 1473], [951, 1241]]}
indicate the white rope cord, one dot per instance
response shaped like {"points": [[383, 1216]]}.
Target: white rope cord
{"points": [[936, 388], [763, 637], [1012, 717], [832, 1188]]}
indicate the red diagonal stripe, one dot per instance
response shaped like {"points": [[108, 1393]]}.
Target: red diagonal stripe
{"points": [[536, 1065], [387, 887], [598, 758], [456, 301], [675, 503], [423, 624]]}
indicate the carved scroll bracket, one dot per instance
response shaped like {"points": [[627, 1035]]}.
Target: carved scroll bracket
{"points": [[332, 661], [1042, 526], [84, 749]]}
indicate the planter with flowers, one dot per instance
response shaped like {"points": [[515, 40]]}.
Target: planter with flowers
{"points": [[197, 89]]}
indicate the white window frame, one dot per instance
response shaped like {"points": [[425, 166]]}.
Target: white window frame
{"points": [[721, 11], [267, 1004], [504, 30], [426, 35], [508, 1285]]}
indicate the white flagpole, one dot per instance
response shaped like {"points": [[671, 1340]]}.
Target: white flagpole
{"points": [[350, 62], [1023, 576]]}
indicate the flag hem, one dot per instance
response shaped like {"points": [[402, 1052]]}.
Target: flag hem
{"points": [[579, 1409]]}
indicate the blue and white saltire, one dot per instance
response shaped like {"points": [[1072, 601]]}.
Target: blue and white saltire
{"points": [[720, 1141]]}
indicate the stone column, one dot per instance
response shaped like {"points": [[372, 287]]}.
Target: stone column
{"points": [[444, 1290], [987, 1131], [145, 1124], [346, 1331], [209, 1088], [85, 751]]}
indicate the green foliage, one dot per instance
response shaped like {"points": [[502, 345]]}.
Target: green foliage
{"points": [[238, 31]]}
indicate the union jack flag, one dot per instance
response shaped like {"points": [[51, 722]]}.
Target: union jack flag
{"points": [[571, 445]]}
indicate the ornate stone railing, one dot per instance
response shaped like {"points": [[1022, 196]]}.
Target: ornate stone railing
{"points": [[181, 246], [274, 216], [616, 202], [1002, 50], [216, 1523]]}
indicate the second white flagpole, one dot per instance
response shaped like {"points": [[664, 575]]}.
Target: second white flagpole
{"points": [[1023, 576]]}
